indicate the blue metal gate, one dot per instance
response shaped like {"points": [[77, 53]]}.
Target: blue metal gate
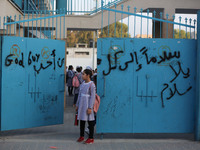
{"points": [[146, 85], [32, 82]]}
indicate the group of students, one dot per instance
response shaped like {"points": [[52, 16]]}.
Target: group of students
{"points": [[84, 99]]}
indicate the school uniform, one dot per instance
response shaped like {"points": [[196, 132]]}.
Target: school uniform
{"points": [[86, 99], [70, 75]]}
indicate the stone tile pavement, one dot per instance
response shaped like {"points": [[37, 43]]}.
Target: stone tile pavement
{"points": [[63, 137]]}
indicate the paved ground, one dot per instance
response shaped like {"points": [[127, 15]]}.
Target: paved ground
{"points": [[63, 137]]}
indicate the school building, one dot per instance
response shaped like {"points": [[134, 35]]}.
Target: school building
{"points": [[84, 15]]}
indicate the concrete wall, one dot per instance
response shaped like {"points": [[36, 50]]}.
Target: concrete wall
{"points": [[75, 58], [8, 9]]}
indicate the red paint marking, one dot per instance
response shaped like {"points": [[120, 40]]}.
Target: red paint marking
{"points": [[53, 147]]}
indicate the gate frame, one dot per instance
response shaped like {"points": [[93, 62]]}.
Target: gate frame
{"points": [[197, 125]]}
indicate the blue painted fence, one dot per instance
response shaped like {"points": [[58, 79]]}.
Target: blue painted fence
{"points": [[32, 82], [47, 25], [52, 24], [188, 26]]}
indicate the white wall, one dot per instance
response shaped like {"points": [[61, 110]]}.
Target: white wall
{"points": [[81, 60], [7, 9]]}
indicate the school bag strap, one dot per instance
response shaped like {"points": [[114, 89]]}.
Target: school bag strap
{"points": [[97, 100], [78, 77], [90, 87]]}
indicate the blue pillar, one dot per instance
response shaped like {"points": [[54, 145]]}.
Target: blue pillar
{"points": [[197, 126], [60, 4]]}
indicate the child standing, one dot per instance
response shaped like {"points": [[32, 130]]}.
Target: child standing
{"points": [[84, 106], [76, 89], [70, 75]]}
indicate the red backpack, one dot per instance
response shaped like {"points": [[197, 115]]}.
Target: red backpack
{"points": [[96, 103], [75, 81]]}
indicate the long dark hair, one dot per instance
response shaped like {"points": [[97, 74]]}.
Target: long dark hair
{"points": [[88, 72]]}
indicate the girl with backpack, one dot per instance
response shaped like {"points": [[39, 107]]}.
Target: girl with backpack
{"points": [[84, 106], [76, 89]]}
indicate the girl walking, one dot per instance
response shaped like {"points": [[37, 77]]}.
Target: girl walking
{"points": [[70, 75], [84, 106]]}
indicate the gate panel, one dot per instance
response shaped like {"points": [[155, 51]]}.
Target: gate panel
{"points": [[161, 75], [43, 78], [13, 83], [168, 86], [115, 91], [32, 93]]}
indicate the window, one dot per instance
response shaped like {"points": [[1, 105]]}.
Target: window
{"points": [[82, 53]]}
